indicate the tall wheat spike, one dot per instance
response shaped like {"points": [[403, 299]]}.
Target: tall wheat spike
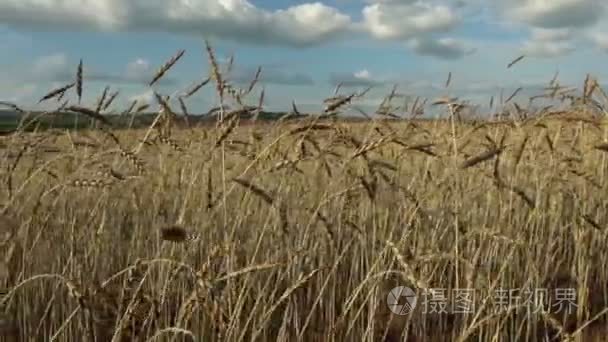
{"points": [[166, 66]]}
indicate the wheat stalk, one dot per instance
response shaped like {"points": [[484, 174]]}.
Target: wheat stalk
{"points": [[166, 66]]}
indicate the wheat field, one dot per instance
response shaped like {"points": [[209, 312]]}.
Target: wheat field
{"points": [[297, 229]]}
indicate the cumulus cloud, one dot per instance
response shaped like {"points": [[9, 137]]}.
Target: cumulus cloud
{"points": [[541, 34], [143, 97], [556, 13], [600, 40], [549, 43], [444, 48], [362, 78], [547, 49], [239, 20], [137, 68], [406, 19]]}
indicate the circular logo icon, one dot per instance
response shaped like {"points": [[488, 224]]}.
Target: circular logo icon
{"points": [[401, 300]]}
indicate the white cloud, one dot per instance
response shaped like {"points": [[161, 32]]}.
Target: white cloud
{"points": [[602, 43], [549, 43], [444, 48], [547, 48], [361, 78], [555, 13], [103, 14], [137, 68], [143, 97], [364, 74], [402, 20], [238, 20], [600, 39], [551, 34]]}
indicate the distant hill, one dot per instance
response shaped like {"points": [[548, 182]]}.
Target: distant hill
{"points": [[9, 120]]}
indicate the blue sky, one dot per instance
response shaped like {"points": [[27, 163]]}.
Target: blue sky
{"points": [[304, 48]]}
